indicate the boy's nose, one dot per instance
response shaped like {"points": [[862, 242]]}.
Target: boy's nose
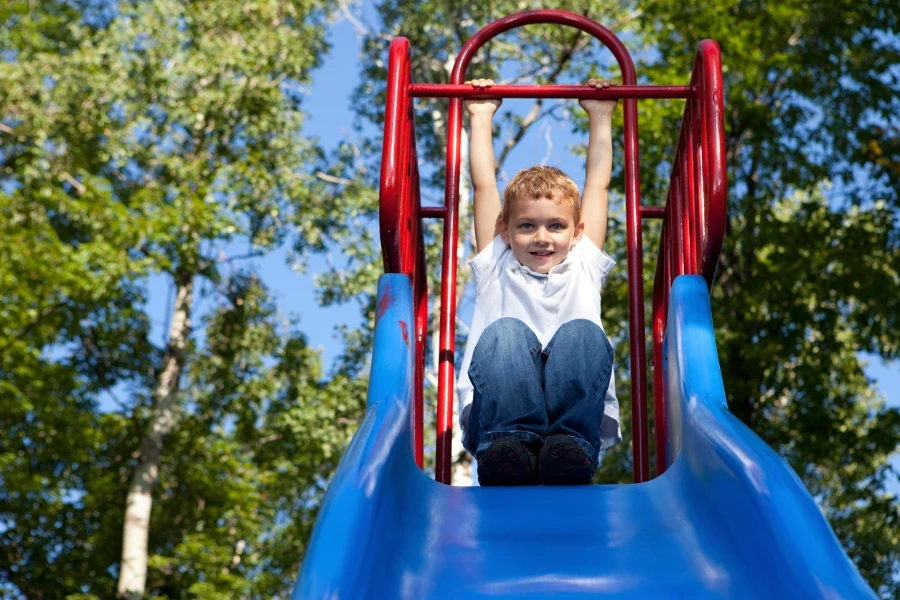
{"points": [[541, 235]]}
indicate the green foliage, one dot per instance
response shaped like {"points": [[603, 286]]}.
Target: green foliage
{"points": [[158, 138], [809, 276]]}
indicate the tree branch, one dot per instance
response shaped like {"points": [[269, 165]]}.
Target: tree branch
{"points": [[332, 179]]}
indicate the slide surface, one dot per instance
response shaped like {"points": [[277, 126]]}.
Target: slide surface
{"points": [[729, 519]]}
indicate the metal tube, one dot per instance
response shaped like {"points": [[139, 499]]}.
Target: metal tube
{"points": [[708, 70], [435, 212], [445, 90], [421, 292], [653, 212], [446, 379], [633, 217], [393, 164], [660, 423]]}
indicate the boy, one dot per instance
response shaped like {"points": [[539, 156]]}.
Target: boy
{"points": [[536, 389]]}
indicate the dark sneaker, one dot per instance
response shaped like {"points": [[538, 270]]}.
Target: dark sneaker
{"points": [[564, 462], [506, 462]]}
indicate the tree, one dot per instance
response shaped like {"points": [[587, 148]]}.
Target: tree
{"points": [[812, 148], [809, 273], [156, 138]]}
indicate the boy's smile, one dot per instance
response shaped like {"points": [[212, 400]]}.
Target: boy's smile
{"points": [[541, 233]]}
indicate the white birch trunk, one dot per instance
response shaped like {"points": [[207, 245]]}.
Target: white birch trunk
{"points": [[136, 529]]}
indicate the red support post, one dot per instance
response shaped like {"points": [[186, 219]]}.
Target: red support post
{"points": [[660, 423], [421, 295]]}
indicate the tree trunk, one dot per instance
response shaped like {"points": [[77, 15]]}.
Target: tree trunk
{"points": [[136, 529]]}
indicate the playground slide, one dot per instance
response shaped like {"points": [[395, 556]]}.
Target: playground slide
{"points": [[728, 519]]}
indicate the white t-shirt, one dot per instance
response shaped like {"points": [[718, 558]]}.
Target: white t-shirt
{"points": [[571, 290]]}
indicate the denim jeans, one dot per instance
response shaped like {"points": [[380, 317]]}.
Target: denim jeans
{"points": [[528, 392]]}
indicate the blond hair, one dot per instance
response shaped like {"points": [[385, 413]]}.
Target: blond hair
{"points": [[541, 182]]}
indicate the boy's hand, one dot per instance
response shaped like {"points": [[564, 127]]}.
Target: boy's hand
{"points": [[599, 107], [482, 106]]}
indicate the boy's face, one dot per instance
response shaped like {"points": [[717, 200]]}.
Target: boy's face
{"points": [[540, 232]]}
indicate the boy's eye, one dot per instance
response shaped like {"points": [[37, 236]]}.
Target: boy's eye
{"points": [[526, 226], [556, 226]]}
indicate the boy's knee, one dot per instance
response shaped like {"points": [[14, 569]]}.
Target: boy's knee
{"points": [[506, 334], [505, 329], [584, 333], [582, 329], [505, 326]]}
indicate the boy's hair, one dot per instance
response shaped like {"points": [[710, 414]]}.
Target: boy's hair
{"points": [[541, 182]]}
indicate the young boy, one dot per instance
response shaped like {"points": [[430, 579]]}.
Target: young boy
{"points": [[536, 388]]}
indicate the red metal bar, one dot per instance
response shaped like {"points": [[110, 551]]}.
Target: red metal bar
{"points": [[436, 212], [660, 423], [393, 157], [401, 235], [692, 232], [421, 291], [634, 239], [708, 73], [409, 215], [653, 212], [684, 182], [677, 230], [446, 90], [696, 150], [447, 341]]}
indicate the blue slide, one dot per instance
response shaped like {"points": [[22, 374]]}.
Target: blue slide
{"points": [[728, 519]]}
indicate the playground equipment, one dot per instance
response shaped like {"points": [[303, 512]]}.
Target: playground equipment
{"points": [[724, 518]]}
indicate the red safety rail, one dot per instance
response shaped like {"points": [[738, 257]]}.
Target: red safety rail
{"points": [[694, 225], [400, 215], [401, 231]]}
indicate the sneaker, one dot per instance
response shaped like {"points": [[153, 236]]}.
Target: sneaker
{"points": [[506, 462], [564, 462]]}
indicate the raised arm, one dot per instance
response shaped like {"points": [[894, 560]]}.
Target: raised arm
{"points": [[598, 169], [481, 164]]}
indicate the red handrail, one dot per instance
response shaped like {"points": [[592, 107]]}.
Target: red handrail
{"points": [[693, 225], [399, 211]]}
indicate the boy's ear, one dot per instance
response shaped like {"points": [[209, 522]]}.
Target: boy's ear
{"points": [[501, 229], [579, 231]]}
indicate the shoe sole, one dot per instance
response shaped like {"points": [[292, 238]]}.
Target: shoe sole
{"points": [[563, 462], [505, 462]]}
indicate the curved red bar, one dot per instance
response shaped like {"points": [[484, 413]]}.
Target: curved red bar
{"points": [[640, 445], [395, 145], [399, 219], [708, 68]]}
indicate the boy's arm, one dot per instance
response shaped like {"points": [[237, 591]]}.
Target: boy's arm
{"points": [[598, 170], [481, 165]]}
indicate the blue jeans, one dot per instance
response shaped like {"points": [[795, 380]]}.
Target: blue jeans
{"points": [[528, 392]]}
